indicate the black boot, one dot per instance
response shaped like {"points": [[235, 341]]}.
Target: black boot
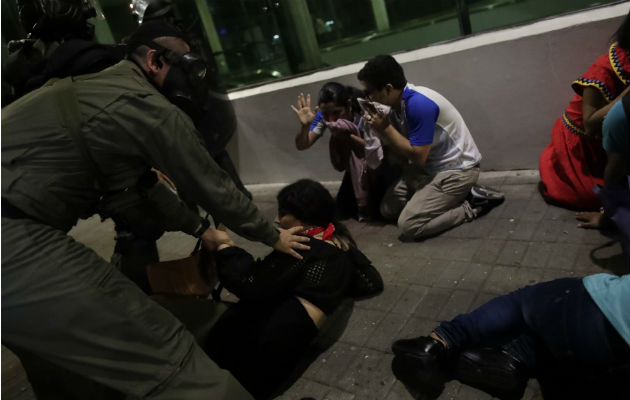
{"points": [[423, 347], [420, 364], [493, 371]]}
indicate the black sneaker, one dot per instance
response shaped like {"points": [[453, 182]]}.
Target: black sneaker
{"points": [[481, 195], [482, 199], [493, 371]]}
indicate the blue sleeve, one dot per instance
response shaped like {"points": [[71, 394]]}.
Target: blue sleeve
{"points": [[422, 113], [316, 125], [615, 130]]}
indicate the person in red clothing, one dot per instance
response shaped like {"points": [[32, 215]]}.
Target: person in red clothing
{"points": [[573, 163]]}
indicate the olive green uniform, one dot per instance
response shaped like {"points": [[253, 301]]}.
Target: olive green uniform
{"points": [[59, 299]]}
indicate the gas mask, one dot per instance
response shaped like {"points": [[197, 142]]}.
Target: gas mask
{"points": [[185, 84]]}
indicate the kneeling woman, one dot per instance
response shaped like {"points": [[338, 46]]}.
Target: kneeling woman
{"points": [[284, 301]]}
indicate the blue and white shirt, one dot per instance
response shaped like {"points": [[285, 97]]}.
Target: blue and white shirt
{"points": [[427, 117]]}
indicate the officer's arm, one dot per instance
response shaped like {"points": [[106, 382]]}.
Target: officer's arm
{"points": [[176, 148], [149, 209]]}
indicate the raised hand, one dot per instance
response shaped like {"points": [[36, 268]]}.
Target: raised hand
{"points": [[303, 110], [289, 241]]}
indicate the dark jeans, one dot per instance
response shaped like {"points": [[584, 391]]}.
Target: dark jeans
{"points": [[560, 331]]}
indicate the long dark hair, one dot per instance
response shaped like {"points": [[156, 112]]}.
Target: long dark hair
{"points": [[622, 35], [311, 203], [339, 94]]}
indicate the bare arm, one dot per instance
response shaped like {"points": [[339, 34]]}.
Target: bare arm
{"points": [[416, 154], [305, 138], [595, 108]]}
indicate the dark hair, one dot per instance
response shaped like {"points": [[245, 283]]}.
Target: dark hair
{"points": [[311, 203], [339, 94], [381, 70], [622, 35]]}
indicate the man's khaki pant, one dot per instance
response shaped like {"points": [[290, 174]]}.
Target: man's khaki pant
{"points": [[426, 205], [64, 303]]}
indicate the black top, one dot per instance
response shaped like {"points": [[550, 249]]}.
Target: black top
{"points": [[324, 276]]}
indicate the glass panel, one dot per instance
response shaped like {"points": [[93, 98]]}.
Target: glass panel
{"points": [[492, 14], [251, 41], [403, 25], [254, 41], [340, 20]]}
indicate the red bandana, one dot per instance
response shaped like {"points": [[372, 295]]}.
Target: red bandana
{"points": [[328, 232]]}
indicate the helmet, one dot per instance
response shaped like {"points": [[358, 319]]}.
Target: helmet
{"points": [[56, 19]]}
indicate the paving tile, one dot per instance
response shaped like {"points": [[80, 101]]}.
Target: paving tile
{"points": [[453, 248], [361, 325], [411, 270], [475, 275], [328, 366], [429, 272], [386, 300], [563, 255], [481, 299], [336, 394], [571, 233], [457, 304], [515, 209], [488, 251], [524, 230], [451, 390], [512, 253], [556, 213], [470, 393], [389, 327], [584, 264], [548, 230], [535, 210], [513, 278], [432, 303], [416, 327], [410, 299], [549, 274], [399, 392], [532, 391], [451, 274], [595, 237], [537, 254], [387, 269], [305, 388], [503, 228], [369, 376]]}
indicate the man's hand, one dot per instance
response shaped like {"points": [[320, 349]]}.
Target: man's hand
{"points": [[303, 110], [289, 241], [589, 219], [212, 239], [378, 121]]}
